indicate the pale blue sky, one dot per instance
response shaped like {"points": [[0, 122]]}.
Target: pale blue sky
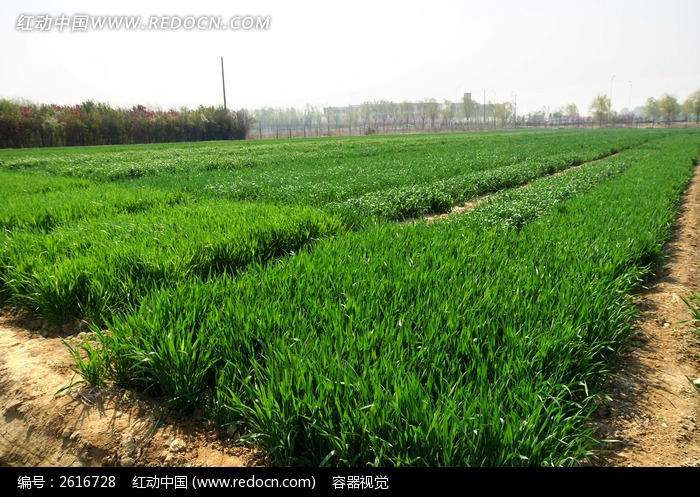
{"points": [[548, 53]]}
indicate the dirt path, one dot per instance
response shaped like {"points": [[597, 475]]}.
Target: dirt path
{"points": [[653, 418], [85, 427]]}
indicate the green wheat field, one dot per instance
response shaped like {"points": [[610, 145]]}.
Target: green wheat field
{"points": [[294, 288]]}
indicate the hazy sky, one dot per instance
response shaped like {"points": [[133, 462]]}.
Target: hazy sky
{"points": [[548, 53]]}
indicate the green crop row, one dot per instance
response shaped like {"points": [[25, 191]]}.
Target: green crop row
{"points": [[95, 266], [355, 172], [480, 341], [391, 177], [75, 249], [431, 154], [62, 202], [316, 172], [413, 201]]}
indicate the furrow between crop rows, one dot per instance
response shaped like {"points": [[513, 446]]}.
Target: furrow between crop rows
{"points": [[468, 206]]}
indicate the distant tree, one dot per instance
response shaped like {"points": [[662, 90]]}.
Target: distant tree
{"points": [[502, 112], [328, 115], [367, 113], [74, 119], [25, 124], [571, 111], [351, 118], [242, 122], [316, 117], [652, 110], [600, 108], [270, 117], [222, 125], [376, 107], [10, 124], [337, 117], [276, 120], [406, 111], [692, 105], [194, 124], [382, 110], [259, 115], [558, 115], [432, 109], [535, 118], [469, 108], [448, 112], [113, 124], [393, 110], [489, 115], [669, 107], [626, 116], [307, 115], [547, 114], [420, 113], [291, 118]]}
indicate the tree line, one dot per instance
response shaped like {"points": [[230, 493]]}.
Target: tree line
{"points": [[666, 109], [379, 116], [24, 124], [384, 116]]}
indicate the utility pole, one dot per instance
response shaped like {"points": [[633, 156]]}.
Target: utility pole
{"points": [[611, 90], [629, 102], [610, 99], [223, 83], [629, 105]]}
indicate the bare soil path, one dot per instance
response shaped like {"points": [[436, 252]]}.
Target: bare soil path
{"points": [[86, 427], [653, 416]]}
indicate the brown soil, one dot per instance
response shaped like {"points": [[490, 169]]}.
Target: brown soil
{"points": [[651, 419], [653, 415], [83, 426]]}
